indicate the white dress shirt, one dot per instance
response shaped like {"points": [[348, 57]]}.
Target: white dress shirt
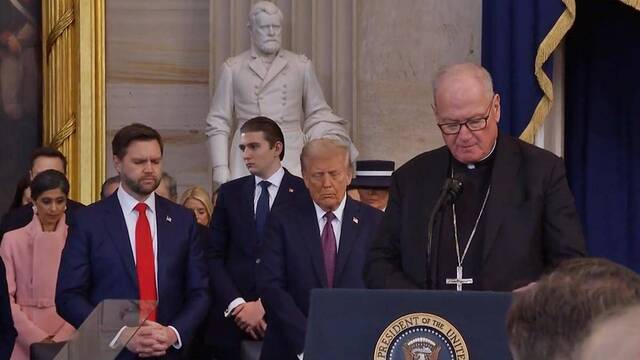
{"points": [[275, 180], [127, 205], [336, 223]]}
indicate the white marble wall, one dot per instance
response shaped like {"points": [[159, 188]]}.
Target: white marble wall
{"points": [[158, 72], [401, 45]]}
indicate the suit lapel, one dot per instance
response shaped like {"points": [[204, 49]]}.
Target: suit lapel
{"points": [[348, 234], [286, 192], [311, 232], [258, 67], [164, 228], [278, 64], [503, 180], [117, 231]]}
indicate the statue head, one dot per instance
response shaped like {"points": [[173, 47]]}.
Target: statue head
{"points": [[264, 25]]}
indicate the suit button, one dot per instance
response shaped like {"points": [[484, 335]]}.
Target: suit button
{"points": [[258, 261]]}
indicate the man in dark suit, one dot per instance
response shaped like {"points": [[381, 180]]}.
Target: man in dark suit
{"points": [[514, 219], [44, 158], [316, 242], [8, 332], [137, 245], [238, 219]]}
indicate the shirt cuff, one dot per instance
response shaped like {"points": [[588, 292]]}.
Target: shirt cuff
{"points": [[178, 343], [301, 356], [234, 304]]}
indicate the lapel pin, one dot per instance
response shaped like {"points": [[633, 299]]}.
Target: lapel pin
{"points": [[290, 190], [168, 218], [355, 219]]}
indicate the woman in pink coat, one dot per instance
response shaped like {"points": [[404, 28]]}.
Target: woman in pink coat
{"points": [[32, 256]]}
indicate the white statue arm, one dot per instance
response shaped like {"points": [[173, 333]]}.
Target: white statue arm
{"points": [[320, 121], [219, 122]]}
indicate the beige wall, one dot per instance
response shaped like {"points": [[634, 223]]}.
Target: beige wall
{"points": [[159, 68]]}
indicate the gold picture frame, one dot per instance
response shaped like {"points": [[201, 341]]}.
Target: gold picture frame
{"points": [[74, 90]]}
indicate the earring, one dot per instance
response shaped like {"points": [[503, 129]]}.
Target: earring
{"points": [[35, 209]]}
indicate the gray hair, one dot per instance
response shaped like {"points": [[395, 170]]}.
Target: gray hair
{"points": [[266, 7], [470, 69], [323, 146]]}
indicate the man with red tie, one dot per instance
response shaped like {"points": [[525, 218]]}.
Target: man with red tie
{"points": [[313, 242], [137, 245]]}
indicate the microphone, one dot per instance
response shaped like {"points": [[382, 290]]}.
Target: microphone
{"points": [[450, 191]]}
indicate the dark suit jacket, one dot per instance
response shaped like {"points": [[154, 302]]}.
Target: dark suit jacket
{"points": [[233, 249], [8, 332], [531, 219], [97, 264], [292, 264], [20, 217]]}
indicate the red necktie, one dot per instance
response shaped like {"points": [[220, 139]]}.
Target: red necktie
{"points": [[329, 248], [145, 266]]}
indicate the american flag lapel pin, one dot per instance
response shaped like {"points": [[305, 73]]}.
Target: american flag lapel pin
{"points": [[355, 219], [168, 218]]}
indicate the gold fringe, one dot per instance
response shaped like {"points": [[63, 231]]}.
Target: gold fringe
{"points": [[546, 48], [64, 133], [633, 3], [59, 28]]}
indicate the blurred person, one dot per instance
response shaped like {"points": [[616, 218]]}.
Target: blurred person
{"points": [[32, 256], [372, 181], [168, 187], [8, 332], [551, 318], [109, 186], [196, 198], [22, 195]]}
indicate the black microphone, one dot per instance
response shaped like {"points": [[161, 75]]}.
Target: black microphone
{"points": [[450, 191]]}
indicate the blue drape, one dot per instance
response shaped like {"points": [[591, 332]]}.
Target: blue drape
{"points": [[602, 134], [511, 33]]}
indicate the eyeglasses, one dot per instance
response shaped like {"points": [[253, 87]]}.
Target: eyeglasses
{"points": [[476, 124]]}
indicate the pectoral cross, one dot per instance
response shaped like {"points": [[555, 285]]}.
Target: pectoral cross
{"points": [[459, 281]]}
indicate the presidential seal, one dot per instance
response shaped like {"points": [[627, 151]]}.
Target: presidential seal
{"points": [[421, 336]]}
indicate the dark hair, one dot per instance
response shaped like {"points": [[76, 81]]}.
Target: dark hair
{"points": [[552, 318], [22, 185], [109, 181], [270, 129], [130, 133], [48, 152], [49, 180]]}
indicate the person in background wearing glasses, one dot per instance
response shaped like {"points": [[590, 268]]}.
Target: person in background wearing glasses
{"points": [[514, 219]]}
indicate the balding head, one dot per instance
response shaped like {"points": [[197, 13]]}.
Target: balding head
{"points": [[326, 170], [452, 74]]}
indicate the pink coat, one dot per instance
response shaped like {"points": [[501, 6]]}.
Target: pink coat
{"points": [[32, 258]]}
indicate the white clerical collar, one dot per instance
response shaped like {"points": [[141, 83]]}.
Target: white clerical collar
{"points": [[473, 166], [337, 212], [128, 202], [274, 179]]}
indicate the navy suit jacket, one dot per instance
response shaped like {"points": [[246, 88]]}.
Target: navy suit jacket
{"points": [[233, 249], [97, 264], [292, 264]]}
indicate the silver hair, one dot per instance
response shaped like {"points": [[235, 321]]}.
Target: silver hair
{"points": [[472, 69], [263, 7], [322, 145]]}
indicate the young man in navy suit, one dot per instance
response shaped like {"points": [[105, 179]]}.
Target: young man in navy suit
{"points": [[137, 245], [238, 221], [317, 242]]}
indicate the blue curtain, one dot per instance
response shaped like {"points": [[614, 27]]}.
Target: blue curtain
{"points": [[602, 134], [512, 31]]}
